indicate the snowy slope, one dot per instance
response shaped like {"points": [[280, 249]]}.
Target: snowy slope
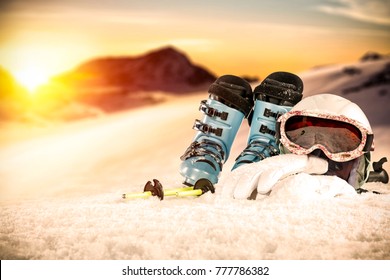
{"points": [[366, 83], [60, 198]]}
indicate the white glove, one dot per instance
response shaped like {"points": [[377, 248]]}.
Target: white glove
{"points": [[265, 174]]}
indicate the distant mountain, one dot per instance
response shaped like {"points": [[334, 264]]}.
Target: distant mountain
{"points": [[371, 56], [165, 69]]}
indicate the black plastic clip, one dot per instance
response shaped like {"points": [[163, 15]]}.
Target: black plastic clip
{"points": [[264, 129], [198, 125], [268, 113], [379, 174], [211, 112]]}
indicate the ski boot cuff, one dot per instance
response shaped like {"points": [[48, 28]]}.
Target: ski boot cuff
{"points": [[281, 89], [233, 92]]}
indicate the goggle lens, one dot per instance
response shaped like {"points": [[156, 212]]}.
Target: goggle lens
{"points": [[335, 136]]}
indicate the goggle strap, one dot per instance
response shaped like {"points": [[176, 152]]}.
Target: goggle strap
{"points": [[369, 141]]}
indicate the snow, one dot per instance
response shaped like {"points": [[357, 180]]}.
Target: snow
{"points": [[60, 196]]}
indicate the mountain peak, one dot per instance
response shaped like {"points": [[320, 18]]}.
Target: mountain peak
{"points": [[166, 50], [164, 69]]}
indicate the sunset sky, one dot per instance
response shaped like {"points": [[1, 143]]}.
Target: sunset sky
{"points": [[249, 37]]}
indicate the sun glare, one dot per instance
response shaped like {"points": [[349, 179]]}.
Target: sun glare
{"points": [[31, 78]]}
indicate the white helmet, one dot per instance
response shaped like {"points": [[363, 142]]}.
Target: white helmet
{"points": [[334, 105], [334, 128]]}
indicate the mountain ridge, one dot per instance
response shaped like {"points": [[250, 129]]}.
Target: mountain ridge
{"points": [[164, 69]]}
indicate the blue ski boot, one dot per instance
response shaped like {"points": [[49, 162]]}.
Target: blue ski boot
{"points": [[276, 95], [230, 101]]}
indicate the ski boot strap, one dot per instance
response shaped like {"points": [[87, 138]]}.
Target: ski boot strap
{"points": [[258, 149], [205, 148], [212, 112], [269, 113], [205, 128]]}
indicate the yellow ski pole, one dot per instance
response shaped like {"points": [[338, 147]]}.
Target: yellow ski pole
{"points": [[156, 189], [157, 192], [150, 189], [136, 195], [190, 193], [201, 186], [174, 192]]}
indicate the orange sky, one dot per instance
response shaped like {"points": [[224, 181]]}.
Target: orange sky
{"points": [[236, 37]]}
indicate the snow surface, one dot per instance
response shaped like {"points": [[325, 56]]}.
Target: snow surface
{"points": [[60, 197]]}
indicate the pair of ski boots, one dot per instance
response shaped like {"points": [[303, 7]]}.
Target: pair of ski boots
{"points": [[230, 101]]}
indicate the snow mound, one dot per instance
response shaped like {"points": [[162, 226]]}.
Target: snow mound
{"points": [[305, 187]]}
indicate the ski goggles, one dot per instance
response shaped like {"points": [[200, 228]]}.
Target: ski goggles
{"points": [[340, 138]]}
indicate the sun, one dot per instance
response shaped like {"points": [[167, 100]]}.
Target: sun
{"points": [[31, 78]]}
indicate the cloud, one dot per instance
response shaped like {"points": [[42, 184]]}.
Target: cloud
{"points": [[374, 11], [92, 16]]}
